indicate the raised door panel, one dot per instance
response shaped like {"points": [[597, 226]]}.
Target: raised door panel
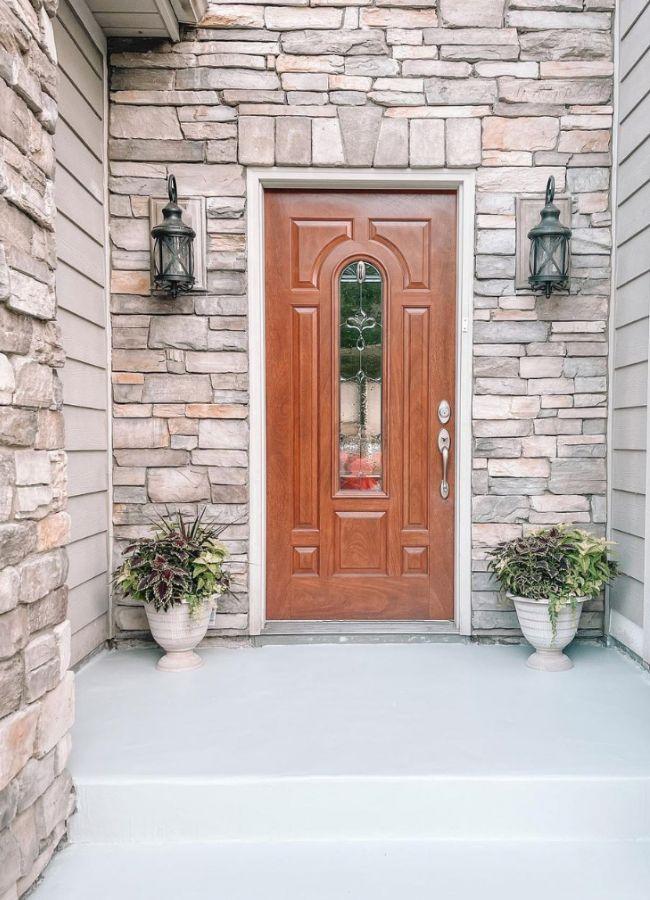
{"points": [[415, 404], [311, 241], [304, 351], [360, 540], [410, 241]]}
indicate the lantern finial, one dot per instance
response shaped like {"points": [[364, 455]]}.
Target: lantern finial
{"points": [[171, 189], [550, 188]]}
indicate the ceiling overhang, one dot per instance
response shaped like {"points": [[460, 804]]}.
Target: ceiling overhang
{"points": [[146, 18]]}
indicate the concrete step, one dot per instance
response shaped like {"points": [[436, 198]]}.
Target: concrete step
{"points": [[362, 742], [354, 808], [445, 870]]}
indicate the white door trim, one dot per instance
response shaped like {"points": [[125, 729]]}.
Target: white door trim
{"points": [[464, 182]]}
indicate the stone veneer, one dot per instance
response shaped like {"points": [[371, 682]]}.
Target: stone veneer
{"points": [[36, 698], [518, 90]]}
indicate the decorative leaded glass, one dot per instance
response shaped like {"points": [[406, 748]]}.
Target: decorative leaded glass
{"points": [[360, 377]]}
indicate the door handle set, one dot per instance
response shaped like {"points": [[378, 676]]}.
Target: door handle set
{"points": [[444, 445]]}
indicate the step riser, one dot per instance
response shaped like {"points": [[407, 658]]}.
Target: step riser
{"points": [[363, 809]]}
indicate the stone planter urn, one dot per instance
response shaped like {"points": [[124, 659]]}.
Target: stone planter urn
{"points": [[178, 632], [536, 626]]}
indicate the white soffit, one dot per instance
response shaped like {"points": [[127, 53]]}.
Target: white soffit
{"points": [[145, 18]]}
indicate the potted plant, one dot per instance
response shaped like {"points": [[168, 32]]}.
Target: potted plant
{"points": [[549, 574], [177, 573]]}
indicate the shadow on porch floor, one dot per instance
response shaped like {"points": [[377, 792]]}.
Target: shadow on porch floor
{"points": [[360, 770]]}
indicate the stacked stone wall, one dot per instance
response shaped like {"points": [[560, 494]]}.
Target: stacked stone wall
{"points": [[517, 90], [36, 701]]}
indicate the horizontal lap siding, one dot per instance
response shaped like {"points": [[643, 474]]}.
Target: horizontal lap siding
{"points": [[631, 324], [82, 316]]}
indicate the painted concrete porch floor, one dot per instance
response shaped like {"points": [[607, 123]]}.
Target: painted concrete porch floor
{"points": [[175, 773], [363, 871], [361, 709]]}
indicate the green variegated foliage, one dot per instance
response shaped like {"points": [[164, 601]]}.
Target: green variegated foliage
{"points": [[561, 565], [182, 563]]}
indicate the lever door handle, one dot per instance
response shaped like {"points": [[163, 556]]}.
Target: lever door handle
{"points": [[444, 443]]}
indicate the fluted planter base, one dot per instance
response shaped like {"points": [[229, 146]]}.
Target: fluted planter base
{"points": [[549, 661], [537, 629], [179, 661], [178, 632]]}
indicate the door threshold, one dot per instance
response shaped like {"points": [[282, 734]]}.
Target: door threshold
{"points": [[310, 631]]}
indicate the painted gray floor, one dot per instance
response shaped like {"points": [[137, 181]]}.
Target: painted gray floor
{"points": [[442, 871], [254, 735], [368, 709]]}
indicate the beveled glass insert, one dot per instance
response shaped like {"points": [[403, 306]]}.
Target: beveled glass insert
{"points": [[360, 377]]}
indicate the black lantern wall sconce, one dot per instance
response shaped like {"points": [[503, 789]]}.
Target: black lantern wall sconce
{"points": [[173, 248], [550, 243]]}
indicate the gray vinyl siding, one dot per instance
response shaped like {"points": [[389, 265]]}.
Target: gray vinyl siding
{"points": [[81, 295], [631, 323]]}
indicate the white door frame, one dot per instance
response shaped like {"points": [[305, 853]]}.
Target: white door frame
{"points": [[464, 182]]}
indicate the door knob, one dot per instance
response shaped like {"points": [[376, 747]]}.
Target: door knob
{"points": [[444, 443]]}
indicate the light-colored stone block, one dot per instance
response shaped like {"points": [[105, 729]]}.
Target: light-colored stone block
{"points": [[242, 15], [223, 434], [453, 91], [470, 13], [393, 143], [280, 18], [463, 142], [183, 332], [56, 715], [557, 92], [168, 485], [150, 122], [327, 145], [540, 20], [287, 62], [521, 133], [256, 140], [541, 367], [427, 143], [17, 739], [553, 44], [177, 388], [521, 179], [293, 140], [360, 131], [519, 468], [419, 63]]}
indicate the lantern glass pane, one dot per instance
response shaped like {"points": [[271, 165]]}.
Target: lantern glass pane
{"points": [[157, 258], [548, 257], [174, 251]]}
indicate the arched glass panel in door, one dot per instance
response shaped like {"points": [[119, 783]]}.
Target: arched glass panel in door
{"points": [[360, 377]]}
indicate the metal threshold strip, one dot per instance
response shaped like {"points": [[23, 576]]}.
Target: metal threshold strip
{"points": [[371, 627]]}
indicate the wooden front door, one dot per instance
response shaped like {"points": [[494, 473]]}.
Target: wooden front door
{"points": [[360, 364]]}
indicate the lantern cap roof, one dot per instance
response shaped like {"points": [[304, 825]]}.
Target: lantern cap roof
{"points": [[172, 215], [549, 216]]}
